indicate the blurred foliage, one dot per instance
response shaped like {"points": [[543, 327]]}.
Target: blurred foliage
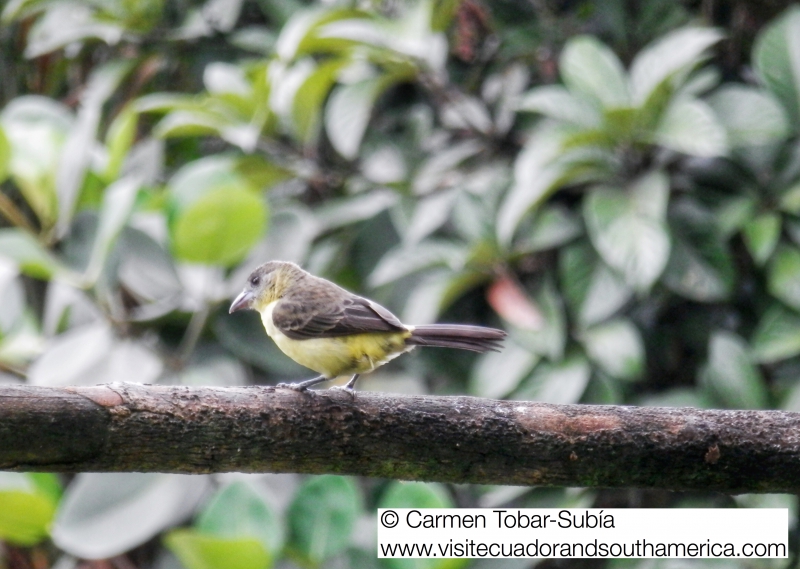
{"points": [[617, 184]]}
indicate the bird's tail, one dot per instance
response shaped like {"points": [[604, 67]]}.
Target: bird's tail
{"points": [[461, 336]]}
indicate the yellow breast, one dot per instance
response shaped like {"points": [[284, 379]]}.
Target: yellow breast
{"points": [[343, 355]]}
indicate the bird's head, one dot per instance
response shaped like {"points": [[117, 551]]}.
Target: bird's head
{"points": [[267, 283]]}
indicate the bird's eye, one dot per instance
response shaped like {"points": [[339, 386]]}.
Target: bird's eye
{"points": [[254, 280]]}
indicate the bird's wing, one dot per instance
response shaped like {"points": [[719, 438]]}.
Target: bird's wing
{"points": [[301, 317]]}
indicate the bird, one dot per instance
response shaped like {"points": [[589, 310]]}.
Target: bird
{"points": [[334, 332]]}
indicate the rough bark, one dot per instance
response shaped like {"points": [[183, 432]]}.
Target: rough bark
{"points": [[128, 427]]}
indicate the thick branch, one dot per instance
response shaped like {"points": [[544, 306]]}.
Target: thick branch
{"points": [[128, 427]]}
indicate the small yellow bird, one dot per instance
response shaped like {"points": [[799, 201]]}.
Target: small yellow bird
{"points": [[335, 332]]}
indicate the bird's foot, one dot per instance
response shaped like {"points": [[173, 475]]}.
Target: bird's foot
{"points": [[302, 385], [352, 383], [349, 387], [299, 387], [345, 388]]}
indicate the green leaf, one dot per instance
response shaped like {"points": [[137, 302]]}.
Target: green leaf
{"points": [[558, 103], [464, 112], [700, 82], [189, 123], [238, 511], [25, 342], [702, 270], [504, 90], [539, 169], [65, 24], [205, 122], [81, 141], [415, 495], [617, 348], [603, 390], [628, 230], [24, 517], [621, 125], [403, 261], [434, 172], [119, 139], [606, 294], [553, 226], [72, 357], [690, 126], [15, 9], [669, 57], [730, 375], [368, 32], [196, 550], [36, 129], [199, 177], [13, 310], [104, 515], [777, 336], [341, 212], [218, 215], [383, 164], [436, 290], [783, 276], [550, 340], [166, 102], [322, 517], [220, 77], [430, 213], [118, 201], [499, 373], [259, 172], [593, 291], [732, 213], [471, 215], [750, 116], [792, 400], [443, 14], [5, 155], [31, 257], [47, 483], [27, 508], [777, 61], [299, 35], [147, 273], [220, 228], [534, 177], [308, 99], [559, 382], [406, 39], [348, 112], [589, 68], [761, 236], [790, 199]]}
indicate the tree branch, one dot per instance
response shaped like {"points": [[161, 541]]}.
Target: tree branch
{"points": [[130, 427]]}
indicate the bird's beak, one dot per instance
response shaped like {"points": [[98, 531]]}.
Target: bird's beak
{"points": [[241, 302]]}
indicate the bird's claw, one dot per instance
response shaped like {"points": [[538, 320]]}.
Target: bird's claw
{"points": [[347, 389], [293, 386]]}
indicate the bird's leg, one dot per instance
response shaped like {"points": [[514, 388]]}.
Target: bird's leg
{"points": [[352, 383], [349, 387], [303, 385]]}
